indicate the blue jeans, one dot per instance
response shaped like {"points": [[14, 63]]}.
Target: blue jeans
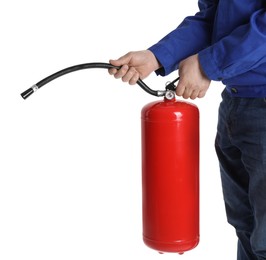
{"points": [[241, 148]]}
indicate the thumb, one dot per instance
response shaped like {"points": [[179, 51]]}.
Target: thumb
{"points": [[121, 61]]}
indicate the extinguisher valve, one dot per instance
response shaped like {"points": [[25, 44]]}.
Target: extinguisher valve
{"points": [[169, 94], [170, 89]]}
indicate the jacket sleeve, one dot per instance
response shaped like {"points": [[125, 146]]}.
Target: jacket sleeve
{"points": [[241, 51], [191, 36]]}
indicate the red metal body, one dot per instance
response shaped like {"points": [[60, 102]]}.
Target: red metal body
{"points": [[170, 175]]}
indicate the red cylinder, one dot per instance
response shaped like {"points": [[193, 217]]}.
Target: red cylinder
{"points": [[170, 175]]}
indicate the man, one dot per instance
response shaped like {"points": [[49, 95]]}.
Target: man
{"points": [[225, 41]]}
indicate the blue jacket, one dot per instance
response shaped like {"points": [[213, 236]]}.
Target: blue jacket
{"points": [[230, 38]]}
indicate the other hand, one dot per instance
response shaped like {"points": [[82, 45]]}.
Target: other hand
{"points": [[193, 82]]}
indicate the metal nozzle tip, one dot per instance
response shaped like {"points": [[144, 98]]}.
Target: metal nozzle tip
{"points": [[29, 91]]}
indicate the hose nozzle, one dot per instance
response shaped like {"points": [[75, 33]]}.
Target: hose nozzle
{"points": [[29, 91]]}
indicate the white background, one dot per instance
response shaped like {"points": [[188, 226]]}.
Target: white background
{"points": [[70, 157]]}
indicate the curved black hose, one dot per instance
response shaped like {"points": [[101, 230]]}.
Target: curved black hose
{"points": [[92, 65]]}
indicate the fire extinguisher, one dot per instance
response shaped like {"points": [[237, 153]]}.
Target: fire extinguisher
{"points": [[170, 166], [170, 175]]}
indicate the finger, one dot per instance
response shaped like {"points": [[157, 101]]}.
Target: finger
{"points": [[129, 75], [112, 71], [201, 94], [121, 72], [180, 89], [194, 94], [134, 79], [187, 93], [115, 62]]}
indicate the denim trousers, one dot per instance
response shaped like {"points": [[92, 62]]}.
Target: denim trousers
{"points": [[241, 149]]}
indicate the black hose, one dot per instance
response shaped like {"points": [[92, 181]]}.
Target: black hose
{"points": [[92, 65]]}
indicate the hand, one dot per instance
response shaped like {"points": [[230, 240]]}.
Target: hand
{"points": [[193, 82], [135, 65]]}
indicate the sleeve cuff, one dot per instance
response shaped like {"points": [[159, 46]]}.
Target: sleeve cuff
{"points": [[208, 65], [165, 58]]}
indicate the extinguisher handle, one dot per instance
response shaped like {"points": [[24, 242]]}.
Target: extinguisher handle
{"points": [[170, 89], [171, 85], [102, 65]]}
